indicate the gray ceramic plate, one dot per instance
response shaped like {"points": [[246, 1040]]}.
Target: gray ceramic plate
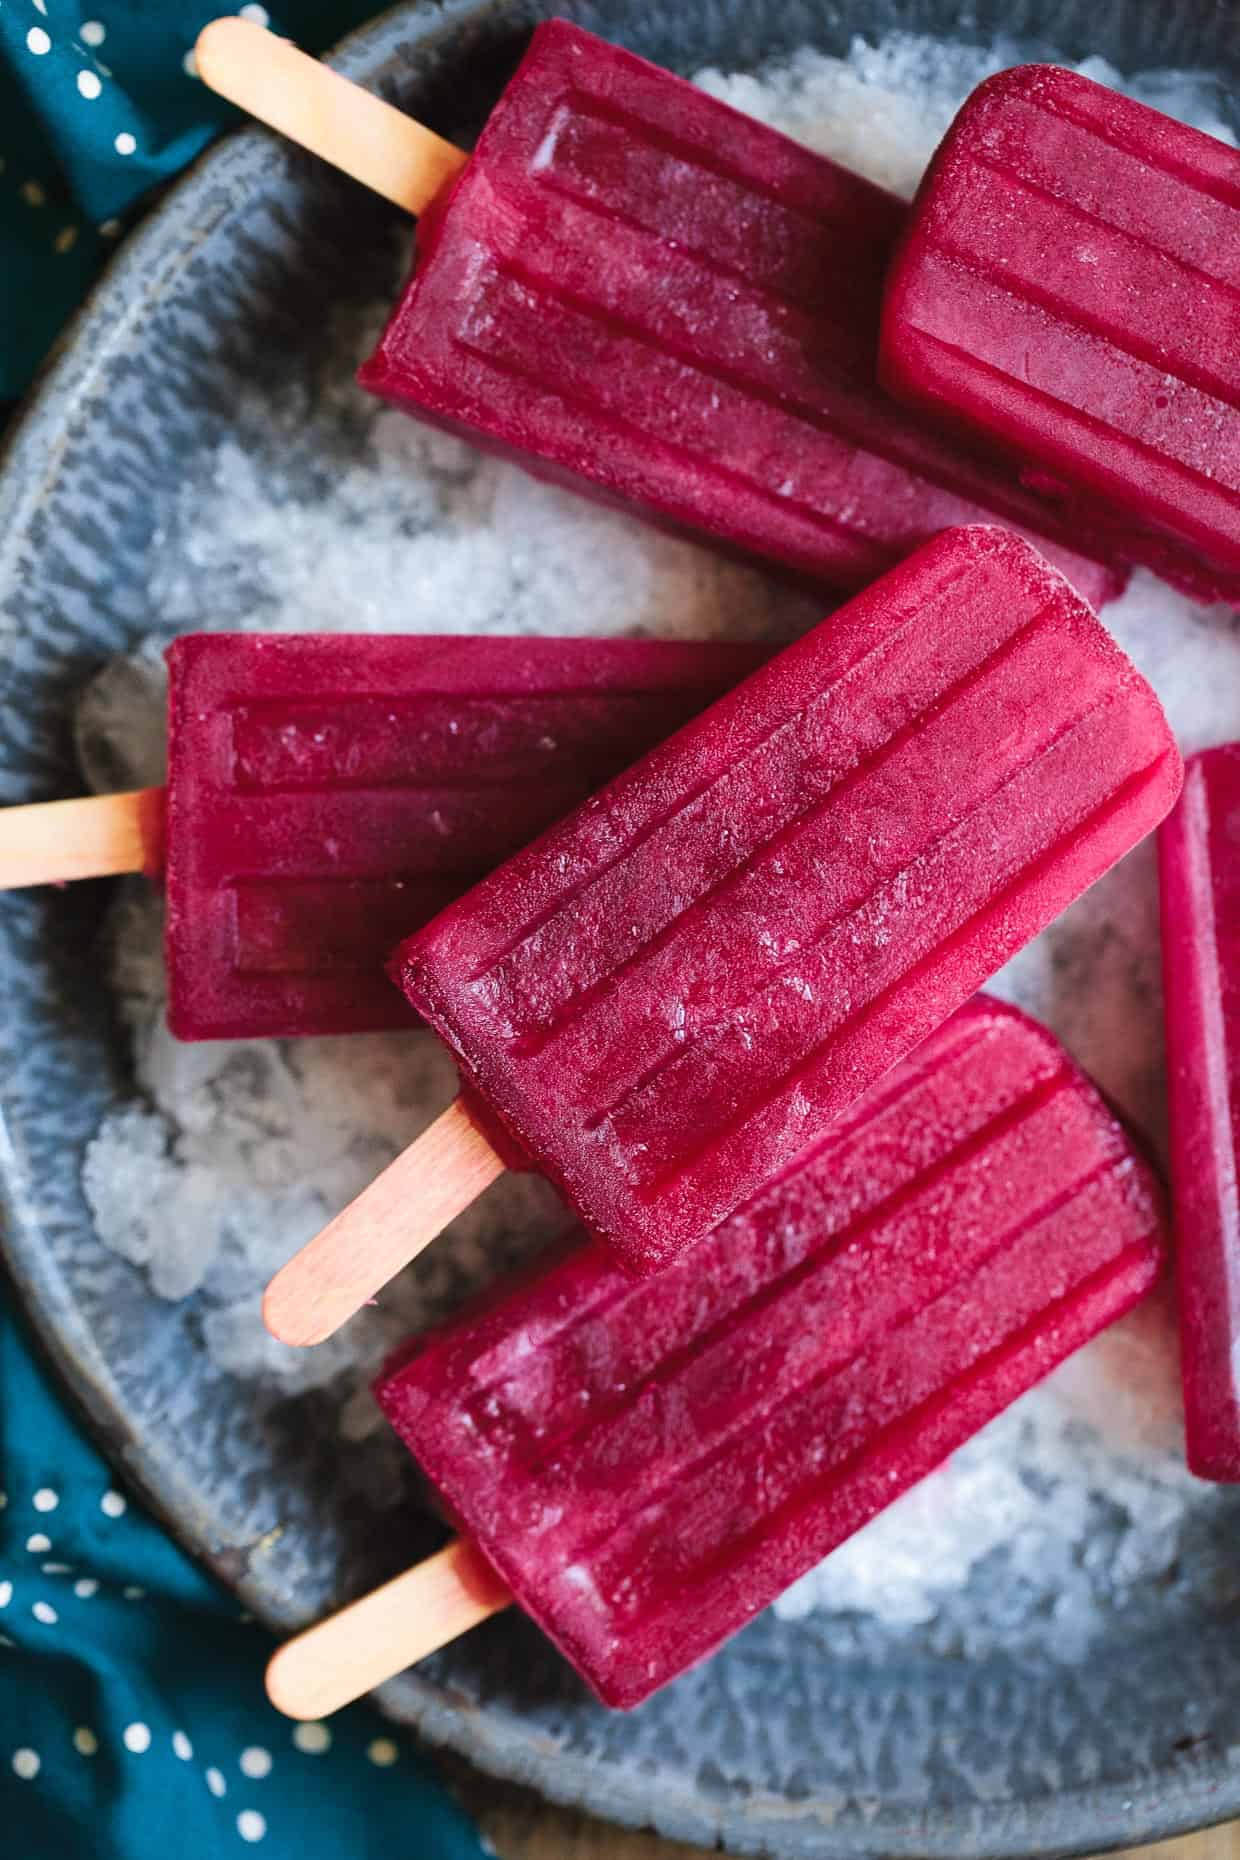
{"points": [[783, 1743]]}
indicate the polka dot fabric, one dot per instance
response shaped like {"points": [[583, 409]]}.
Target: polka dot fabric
{"points": [[99, 101], [133, 1723]]}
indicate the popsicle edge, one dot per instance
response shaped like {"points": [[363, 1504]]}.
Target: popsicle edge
{"points": [[1152, 792], [1193, 1012], [1099, 1299], [341, 1658]]}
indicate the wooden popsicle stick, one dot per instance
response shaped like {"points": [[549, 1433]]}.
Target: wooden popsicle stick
{"points": [[388, 1225], [323, 112], [350, 1653], [50, 842]]}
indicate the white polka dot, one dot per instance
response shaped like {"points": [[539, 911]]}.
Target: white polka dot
{"points": [[189, 64], [37, 41], [40, 6], [44, 1612], [89, 84], [181, 1746], [4, 1499], [45, 1499], [93, 32], [113, 1504], [125, 144], [255, 1762], [26, 1764], [84, 1741], [251, 1825], [110, 228], [314, 1739], [137, 1737], [85, 1587], [58, 1569], [382, 1750], [38, 1544], [33, 194], [6, 1642], [216, 1783], [133, 1593], [257, 15], [6, 1594]]}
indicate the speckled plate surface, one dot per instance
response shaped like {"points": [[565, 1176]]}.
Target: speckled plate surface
{"points": [[783, 1743]]}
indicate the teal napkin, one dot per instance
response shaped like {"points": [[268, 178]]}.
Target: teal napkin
{"points": [[133, 1723], [98, 102]]}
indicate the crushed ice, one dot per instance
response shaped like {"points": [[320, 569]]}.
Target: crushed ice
{"points": [[321, 511]]}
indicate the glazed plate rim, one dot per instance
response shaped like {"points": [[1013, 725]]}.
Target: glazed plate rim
{"points": [[497, 1741]]}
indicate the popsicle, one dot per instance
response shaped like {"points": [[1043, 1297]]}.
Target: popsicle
{"points": [[1199, 858], [664, 1000], [1066, 288], [639, 292], [328, 793], [644, 1465]]}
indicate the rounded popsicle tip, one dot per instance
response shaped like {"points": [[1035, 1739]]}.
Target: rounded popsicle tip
{"points": [[222, 44], [301, 1688], [290, 1317]]}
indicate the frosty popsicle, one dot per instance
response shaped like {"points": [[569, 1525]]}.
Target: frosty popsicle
{"points": [[328, 793], [1199, 853], [672, 993], [646, 1465], [1067, 288], [637, 291]]}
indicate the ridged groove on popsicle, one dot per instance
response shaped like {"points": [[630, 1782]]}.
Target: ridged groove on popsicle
{"points": [[777, 880], [849, 495], [851, 1208], [388, 776], [810, 1320], [1047, 191], [1186, 417], [834, 968], [1200, 946], [739, 927], [826, 1346], [741, 289]]}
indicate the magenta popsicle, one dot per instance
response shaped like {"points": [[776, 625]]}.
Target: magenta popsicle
{"points": [[640, 292], [1199, 853], [673, 992], [1067, 288], [328, 793], [647, 1465]]}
